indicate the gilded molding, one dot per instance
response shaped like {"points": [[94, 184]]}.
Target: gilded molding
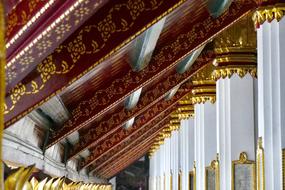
{"points": [[204, 87], [202, 99], [268, 14], [229, 71]]}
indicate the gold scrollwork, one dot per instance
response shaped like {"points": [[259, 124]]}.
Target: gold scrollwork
{"points": [[46, 69], [260, 175], [268, 14]]}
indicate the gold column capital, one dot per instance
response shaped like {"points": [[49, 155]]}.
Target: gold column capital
{"points": [[268, 13], [235, 50], [204, 86]]}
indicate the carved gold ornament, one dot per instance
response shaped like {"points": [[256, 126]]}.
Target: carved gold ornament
{"points": [[19, 180], [235, 50], [268, 14], [227, 72]]}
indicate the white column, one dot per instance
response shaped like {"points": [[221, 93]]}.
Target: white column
{"points": [[150, 179], [184, 154], [191, 144], [205, 139], [167, 164], [235, 121], [174, 156], [271, 98]]}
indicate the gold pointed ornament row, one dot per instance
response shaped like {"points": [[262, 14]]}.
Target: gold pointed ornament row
{"points": [[19, 180], [268, 13]]}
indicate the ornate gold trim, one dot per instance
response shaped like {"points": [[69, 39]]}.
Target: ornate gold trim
{"points": [[260, 177], [203, 99], [34, 84], [243, 159], [228, 71], [268, 14]]}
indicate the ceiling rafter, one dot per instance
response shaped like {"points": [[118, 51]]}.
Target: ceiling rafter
{"points": [[162, 61], [154, 113], [160, 125], [126, 160], [111, 123], [149, 135], [122, 134], [103, 34], [32, 38]]}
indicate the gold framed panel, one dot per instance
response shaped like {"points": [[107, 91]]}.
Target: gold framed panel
{"points": [[164, 181], [260, 175], [243, 173], [180, 180], [283, 167], [192, 179], [212, 176], [171, 180]]}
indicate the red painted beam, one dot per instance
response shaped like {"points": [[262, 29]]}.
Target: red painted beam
{"points": [[113, 161], [126, 161], [110, 28], [36, 28], [163, 60], [116, 139], [119, 117], [120, 135], [133, 142]]}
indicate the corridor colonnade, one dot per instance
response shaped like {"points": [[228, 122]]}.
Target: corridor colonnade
{"points": [[235, 138]]}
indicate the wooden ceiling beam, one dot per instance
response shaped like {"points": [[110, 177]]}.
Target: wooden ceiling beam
{"points": [[104, 33], [110, 123], [154, 114], [125, 161], [35, 29], [132, 143], [164, 59]]}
